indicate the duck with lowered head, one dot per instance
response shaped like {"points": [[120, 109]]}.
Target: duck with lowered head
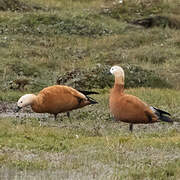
{"points": [[56, 99]]}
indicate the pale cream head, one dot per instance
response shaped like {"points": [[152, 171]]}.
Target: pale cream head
{"points": [[25, 100], [117, 71]]}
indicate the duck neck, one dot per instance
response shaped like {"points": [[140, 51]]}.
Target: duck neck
{"points": [[31, 98], [119, 80], [35, 104], [119, 83]]}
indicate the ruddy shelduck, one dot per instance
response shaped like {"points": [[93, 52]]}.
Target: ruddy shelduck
{"points": [[56, 99], [130, 109]]}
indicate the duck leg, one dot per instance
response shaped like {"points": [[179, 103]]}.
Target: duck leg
{"points": [[68, 114], [131, 127], [55, 117]]}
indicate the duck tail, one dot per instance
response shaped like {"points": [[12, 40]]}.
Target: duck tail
{"points": [[162, 115], [161, 111], [165, 119], [91, 100]]}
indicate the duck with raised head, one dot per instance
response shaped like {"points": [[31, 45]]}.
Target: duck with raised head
{"points": [[130, 109], [56, 99]]}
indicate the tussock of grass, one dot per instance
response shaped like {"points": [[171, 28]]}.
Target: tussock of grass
{"points": [[161, 21], [13, 5]]}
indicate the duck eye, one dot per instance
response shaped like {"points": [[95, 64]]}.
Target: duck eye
{"points": [[21, 102]]}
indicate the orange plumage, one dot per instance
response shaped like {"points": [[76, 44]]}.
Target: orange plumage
{"points": [[128, 108], [55, 99]]}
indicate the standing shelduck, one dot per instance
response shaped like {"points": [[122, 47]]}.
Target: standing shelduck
{"points": [[56, 99], [130, 109]]}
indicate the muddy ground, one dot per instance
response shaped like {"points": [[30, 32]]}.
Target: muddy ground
{"points": [[9, 110]]}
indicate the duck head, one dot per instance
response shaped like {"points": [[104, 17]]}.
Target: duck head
{"points": [[25, 100], [118, 72]]}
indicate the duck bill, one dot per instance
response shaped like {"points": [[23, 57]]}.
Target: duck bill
{"points": [[17, 109]]}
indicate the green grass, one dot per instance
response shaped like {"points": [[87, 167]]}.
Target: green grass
{"points": [[45, 41], [67, 37], [92, 144], [79, 146]]}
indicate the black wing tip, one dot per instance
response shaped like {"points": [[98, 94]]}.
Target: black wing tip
{"points": [[161, 111], [166, 119], [88, 92], [91, 100]]}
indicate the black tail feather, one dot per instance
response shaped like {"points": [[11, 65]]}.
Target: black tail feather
{"points": [[166, 119], [161, 111], [91, 100], [162, 115], [88, 92]]}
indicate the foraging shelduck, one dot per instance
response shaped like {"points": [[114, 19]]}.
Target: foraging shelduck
{"points": [[56, 99], [130, 109]]}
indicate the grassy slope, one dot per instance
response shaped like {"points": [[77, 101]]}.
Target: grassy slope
{"points": [[81, 34], [64, 38]]}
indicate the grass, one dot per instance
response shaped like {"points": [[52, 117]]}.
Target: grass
{"points": [[76, 148], [59, 41], [91, 144], [43, 41]]}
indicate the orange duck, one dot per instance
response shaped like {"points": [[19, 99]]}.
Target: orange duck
{"points": [[130, 109], [56, 99]]}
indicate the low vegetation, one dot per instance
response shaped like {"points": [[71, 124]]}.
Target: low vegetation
{"points": [[99, 77], [76, 43]]}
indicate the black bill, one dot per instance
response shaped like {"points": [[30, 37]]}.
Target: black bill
{"points": [[17, 109]]}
